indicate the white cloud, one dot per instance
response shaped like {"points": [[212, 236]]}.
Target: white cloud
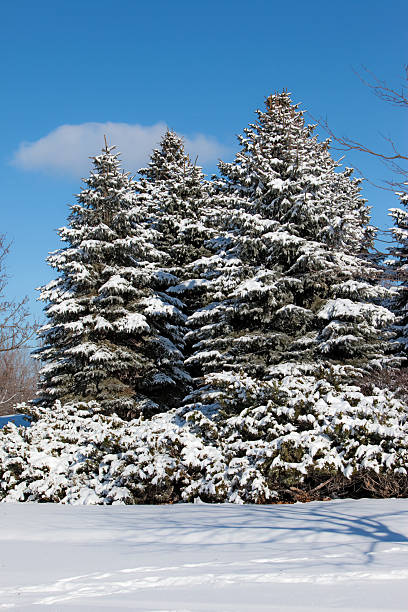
{"points": [[66, 149]]}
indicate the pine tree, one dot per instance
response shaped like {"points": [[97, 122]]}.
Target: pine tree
{"points": [[399, 267], [113, 334], [187, 228], [298, 232], [174, 192]]}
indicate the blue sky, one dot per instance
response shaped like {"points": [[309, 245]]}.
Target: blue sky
{"points": [[73, 70]]}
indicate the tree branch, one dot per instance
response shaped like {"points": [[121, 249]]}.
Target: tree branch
{"points": [[394, 159]]}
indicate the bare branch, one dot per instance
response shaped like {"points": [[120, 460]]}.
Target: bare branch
{"points": [[18, 379], [348, 144], [382, 90], [16, 329], [395, 159]]}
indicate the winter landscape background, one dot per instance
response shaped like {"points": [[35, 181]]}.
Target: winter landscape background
{"points": [[215, 371]]}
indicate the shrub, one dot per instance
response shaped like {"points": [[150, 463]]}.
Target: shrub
{"points": [[305, 439]]}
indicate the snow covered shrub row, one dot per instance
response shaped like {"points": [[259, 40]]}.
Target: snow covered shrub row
{"points": [[297, 434]]}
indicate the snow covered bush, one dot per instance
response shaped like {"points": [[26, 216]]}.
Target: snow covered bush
{"points": [[301, 437]]}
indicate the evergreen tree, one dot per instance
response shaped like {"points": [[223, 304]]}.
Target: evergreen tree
{"points": [[174, 193], [301, 290], [399, 267], [113, 334], [188, 232]]}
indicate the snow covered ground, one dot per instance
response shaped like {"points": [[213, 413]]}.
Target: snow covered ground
{"points": [[341, 555]]}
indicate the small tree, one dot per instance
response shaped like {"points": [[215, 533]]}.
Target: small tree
{"points": [[17, 372], [113, 334], [18, 379], [187, 229], [16, 329]]}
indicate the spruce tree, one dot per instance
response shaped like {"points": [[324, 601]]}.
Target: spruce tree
{"points": [[113, 334], [298, 233], [173, 192], [399, 267], [186, 222]]}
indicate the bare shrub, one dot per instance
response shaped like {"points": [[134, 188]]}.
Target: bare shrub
{"points": [[362, 484], [18, 379], [18, 372], [394, 379]]}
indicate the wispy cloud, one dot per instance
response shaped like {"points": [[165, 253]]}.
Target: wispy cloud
{"points": [[66, 149]]}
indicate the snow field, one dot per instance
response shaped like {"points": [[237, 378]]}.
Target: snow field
{"points": [[343, 555]]}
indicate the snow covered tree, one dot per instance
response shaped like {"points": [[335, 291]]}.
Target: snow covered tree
{"points": [[187, 226], [113, 333], [174, 193], [298, 232], [399, 267]]}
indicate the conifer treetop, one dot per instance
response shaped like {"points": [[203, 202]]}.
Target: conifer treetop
{"points": [[168, 159], [173, 192], [290, 177]]}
